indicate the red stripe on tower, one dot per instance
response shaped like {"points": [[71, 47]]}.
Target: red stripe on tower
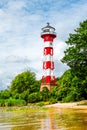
{"points": [[48, 50], [48, 79]]}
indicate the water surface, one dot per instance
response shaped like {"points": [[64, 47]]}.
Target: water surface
{"points": [[44, 119]]}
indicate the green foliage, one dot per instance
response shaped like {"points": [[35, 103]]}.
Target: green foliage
{"points": [[65, 83], [5, 94], [23, 85], [70, 88], [2, 102], [24, 95], [72, 96], [76, 54], [76, 58], [40, 104], [34, 97], [23, 82], [12, 102], [52, 100], [45, 94]]}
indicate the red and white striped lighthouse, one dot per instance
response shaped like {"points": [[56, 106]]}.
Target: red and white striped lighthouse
{"points": [[48, 79]]}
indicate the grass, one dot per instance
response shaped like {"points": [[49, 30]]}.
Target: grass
{"points": [[11, 102]]}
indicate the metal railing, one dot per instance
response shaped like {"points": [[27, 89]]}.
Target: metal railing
{"points": [[48, 33]]}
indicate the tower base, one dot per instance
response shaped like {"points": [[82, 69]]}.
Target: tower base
{"points": [[48, 86]]}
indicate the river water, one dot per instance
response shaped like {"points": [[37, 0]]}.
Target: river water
{"points": [[44, 119]]}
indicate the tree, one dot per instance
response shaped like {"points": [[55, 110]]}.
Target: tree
{"points": [[76, 55], [23, 82], [45, 94], [5, 94], [65, 85], [34, 97], [76, 58]]}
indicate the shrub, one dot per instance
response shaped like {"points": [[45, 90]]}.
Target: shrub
{"points": [[40, 104], [34, 97], [2, 102], [52, 100], [12, 102]]}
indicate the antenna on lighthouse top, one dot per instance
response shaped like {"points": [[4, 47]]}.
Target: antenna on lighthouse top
{"points": [[48, 23]]}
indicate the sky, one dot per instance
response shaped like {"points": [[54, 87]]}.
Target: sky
{"points": [[21, 47]]}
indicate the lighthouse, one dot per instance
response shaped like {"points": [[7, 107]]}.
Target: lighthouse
{"points": [[48, 78]]}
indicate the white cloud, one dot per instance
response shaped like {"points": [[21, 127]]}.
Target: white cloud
{"points": [[21, 47], [59, 47]]}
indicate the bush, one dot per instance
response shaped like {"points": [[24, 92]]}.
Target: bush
{"points": [[72, 96], [5, 94], [12, 102], [45, 94], [34, 97], [40, 104], [52, 101], [2, 102]]}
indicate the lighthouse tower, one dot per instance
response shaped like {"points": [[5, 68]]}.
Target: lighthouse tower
{"points": [[48, 79]]}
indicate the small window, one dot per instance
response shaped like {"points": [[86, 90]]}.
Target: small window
{"points": [[50, 43]]}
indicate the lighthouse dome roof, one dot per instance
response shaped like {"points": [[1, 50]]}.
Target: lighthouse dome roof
{"points": [[48, 27]]}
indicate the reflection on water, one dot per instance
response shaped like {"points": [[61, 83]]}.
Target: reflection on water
{"points": [[39, 119]]}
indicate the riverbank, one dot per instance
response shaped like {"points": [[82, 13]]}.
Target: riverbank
{"points": [[76, 105], [34, 106]]}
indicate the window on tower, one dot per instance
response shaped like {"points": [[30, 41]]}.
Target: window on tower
{"points": [[50, 43], [47, 30]]}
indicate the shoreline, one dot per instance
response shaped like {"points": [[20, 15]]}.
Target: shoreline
{"points": [[75, 105]]}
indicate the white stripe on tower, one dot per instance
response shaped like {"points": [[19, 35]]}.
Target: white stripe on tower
{"points": [[48, 44], [48, 58], [48, 72]]}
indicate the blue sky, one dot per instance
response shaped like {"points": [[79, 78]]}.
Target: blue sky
{"points": [[21, 47]]}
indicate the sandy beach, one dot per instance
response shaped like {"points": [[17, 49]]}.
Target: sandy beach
{"points": [[76, 105]]}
